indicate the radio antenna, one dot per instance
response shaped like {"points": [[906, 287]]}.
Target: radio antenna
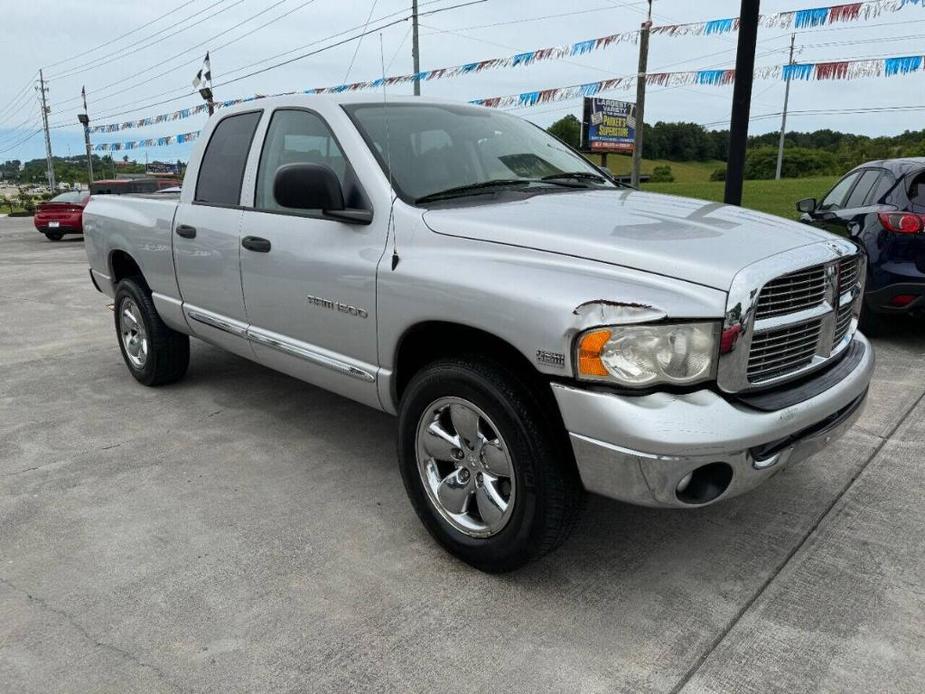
{"points": [[388, 157]]}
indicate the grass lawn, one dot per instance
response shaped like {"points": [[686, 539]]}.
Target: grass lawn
{"points": [[692, 179], [683, 171], [775, 197]]}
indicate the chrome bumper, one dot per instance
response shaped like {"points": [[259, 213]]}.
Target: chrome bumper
{"points": [[639, 449]]}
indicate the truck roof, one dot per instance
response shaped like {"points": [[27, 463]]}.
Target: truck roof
{"points": [[309, 100]]}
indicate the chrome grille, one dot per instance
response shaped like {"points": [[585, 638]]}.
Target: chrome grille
{"points": [[842, 322], [847, 273], [783, 350], [790, 314], [792, 292]]}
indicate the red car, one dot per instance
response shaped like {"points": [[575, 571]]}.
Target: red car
{"points": [[62, 215]]}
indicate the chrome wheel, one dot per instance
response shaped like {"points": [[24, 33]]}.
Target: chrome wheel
{"points": [[465, 466], [134, 336]]}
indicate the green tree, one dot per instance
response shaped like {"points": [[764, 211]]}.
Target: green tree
{"points": [[567, 129]]}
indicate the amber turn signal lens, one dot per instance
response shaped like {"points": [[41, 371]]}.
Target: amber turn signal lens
{"points": [[589, 353]]}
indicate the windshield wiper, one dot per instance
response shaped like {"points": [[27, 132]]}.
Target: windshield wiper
{"points": [[474, 188], [575, 175]]}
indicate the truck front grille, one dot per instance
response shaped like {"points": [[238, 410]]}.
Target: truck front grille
{"points": [[792, 292], [802, 319], [783, 350], [843, 322], [847, 273]]}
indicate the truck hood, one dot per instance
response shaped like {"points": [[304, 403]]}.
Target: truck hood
{"points": [[693, 240]]}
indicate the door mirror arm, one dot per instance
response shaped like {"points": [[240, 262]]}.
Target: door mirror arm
{"points": [[350, 215]]}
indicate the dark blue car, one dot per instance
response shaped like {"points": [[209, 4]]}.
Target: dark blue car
{"points": [[881, 206]]}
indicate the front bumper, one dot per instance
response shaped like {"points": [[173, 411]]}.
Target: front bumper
{"points": [[639, 449]]}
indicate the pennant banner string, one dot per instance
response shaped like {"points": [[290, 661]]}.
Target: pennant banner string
{"points": [[799, 19], [838, 70]]}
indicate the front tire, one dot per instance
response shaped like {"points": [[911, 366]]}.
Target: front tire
{"points": [[154, 353], [488, 472]]}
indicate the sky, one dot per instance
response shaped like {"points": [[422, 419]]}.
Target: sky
{"points": [[128, 67]]}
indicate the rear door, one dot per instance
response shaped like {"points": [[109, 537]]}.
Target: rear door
{"points": [[310, 290], [206, 236]]}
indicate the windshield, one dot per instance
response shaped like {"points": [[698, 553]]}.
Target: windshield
{"points": [[68, 197], [435, 148]]}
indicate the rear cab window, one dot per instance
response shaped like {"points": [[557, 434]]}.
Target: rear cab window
{"points": [[221, 173]]}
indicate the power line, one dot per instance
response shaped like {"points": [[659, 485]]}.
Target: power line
{"points": [[213, 51], [182, 93], [119, 38], [21, 98], [149, 41], [21, 142], [360, 42]]}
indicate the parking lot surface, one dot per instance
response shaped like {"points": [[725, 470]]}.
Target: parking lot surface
{"points": [[243, 531]]}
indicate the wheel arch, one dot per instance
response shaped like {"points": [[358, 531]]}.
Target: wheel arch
{"points": [[122, 265], [427, 341]]}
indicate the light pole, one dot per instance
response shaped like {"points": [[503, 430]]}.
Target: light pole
{"points": [[84, 119]]}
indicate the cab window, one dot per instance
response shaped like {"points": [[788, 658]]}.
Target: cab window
{"points": [[221, 173], [295, 137]]}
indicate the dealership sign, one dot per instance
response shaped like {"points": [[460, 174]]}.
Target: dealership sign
{"points": [[608, 126]]}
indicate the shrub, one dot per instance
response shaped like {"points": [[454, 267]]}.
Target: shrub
{"points": [[718, 175], [662, 174], [799, 162]]}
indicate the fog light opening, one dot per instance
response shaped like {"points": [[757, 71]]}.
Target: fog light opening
{"points": [[704, 484]]}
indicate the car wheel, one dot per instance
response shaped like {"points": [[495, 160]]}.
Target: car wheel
{"points": [[54, 235], [154, 353], [487, 471]]}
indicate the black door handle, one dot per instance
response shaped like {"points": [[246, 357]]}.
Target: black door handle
{"points": [[256, 244], [186, 231]]}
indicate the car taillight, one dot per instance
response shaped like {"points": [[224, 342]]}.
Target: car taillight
{"points": [[902, 222]]}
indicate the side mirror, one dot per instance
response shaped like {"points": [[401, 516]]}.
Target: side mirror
{"points": [[308, 187], [315, 187], [807, 205]]}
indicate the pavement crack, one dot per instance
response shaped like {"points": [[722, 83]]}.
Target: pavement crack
{"points": [[97, 643], [736, 618]]}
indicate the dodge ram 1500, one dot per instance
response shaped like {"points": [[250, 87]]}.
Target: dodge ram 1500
{"points": [[539, 330]]}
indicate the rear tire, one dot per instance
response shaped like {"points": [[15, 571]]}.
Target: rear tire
{"points": [[539, 498], [154, 353], [53, 235]]}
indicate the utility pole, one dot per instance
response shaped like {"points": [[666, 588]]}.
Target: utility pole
{"points": [[641, 96], [51, 165], [741, 101], [84, 119], [415, 47], [783, 120]]}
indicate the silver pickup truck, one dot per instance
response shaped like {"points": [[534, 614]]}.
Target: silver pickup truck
{"points": [[538, 329]]}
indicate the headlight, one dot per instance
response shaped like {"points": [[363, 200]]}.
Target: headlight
{"points": [[637, 356]]}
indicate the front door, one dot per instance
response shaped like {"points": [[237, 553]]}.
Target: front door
{"points": [[310, 281]]}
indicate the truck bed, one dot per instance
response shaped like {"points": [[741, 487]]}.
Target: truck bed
{"points": [[139, 225]]}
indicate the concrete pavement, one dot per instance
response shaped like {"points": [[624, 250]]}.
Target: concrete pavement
{"points": [[242, 531]]}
